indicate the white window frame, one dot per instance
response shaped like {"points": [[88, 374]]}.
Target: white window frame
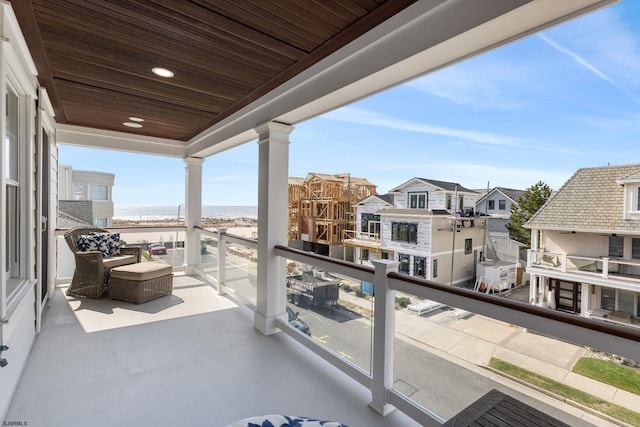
{"points": [[423, 195], [75, 194], [101, 222], [18, 211], [94, 186], [631, 199]]}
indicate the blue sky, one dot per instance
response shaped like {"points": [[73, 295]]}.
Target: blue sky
{"points": [[534, 110]]}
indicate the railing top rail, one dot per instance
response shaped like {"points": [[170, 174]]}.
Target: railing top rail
{"points": [[326, 259], [572, 319], [133, 228]]}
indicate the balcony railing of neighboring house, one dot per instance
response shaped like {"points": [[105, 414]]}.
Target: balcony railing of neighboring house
{"points": [[614, 269], [230, 262], [360, 235]]}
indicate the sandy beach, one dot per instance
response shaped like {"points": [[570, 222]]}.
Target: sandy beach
{"points": [[244, 227]]}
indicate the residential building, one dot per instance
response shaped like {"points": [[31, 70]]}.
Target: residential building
{"points": [[414, 224], [496, 205], [239, 75], [321, 211], [76, 187], [585, 245]]}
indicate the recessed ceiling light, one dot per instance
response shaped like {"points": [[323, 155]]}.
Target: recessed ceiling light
{"points": [[132, 124], [162, 72], [136, 119]]}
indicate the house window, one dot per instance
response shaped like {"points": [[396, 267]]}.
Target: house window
{"points": [[12, 175], [635, 248], [502, 205], [98, 192], [78, 191], [434, 270], [404, 260], [616, 246], [370, 224], [461, 203], [638, 200], [492, 204], [448, 202], [626, 301], [404, 232], [418, 200], [419, 266], [385, 255], [100, 222], [608, 299], [468, 246]]}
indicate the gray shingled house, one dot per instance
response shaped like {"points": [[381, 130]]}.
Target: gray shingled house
{"points": [[585, 245]]}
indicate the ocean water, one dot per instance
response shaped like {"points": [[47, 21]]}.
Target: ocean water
{"points": [[142, 213]]}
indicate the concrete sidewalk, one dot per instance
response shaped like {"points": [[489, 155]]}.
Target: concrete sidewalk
{"points": [[474, 340]]}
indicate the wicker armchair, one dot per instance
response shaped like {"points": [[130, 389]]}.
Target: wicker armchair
{"points": [[90, 277]]}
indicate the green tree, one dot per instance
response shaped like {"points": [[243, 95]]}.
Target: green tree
{"points": [[528, 204]]}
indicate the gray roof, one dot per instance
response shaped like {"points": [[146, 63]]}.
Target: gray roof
{"points": [[511, 193], [67, 221], [508, 192], [591, 200], [448, 186]]}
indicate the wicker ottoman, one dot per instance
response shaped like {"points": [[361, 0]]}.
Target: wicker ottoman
{"points": [[141, 282]]}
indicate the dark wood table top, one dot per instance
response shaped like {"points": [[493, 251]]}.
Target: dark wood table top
{"points": [[498, 409]]}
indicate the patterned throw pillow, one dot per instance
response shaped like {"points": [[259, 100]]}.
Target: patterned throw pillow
{"points": [[107, 243], [284, 421]]}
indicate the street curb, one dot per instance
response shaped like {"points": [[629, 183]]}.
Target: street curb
{"points": [[563, 399]]}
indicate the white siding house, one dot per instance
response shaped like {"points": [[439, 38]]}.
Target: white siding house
{"points": [[93, 186], [414, 224]]}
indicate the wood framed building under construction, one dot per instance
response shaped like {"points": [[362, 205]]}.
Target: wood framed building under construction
{"points": [[321, 208]]}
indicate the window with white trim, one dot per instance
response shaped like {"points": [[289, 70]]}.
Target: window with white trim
{"points": [[78, 191], [12, 176], [98, 192], [502, 204], [100, 222], [492, 204], [418, 200]]}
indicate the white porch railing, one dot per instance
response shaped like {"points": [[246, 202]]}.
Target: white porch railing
{"points": [[229, 261], [377, 372], [613, 269]]}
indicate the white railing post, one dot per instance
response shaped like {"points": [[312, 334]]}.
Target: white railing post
{"points": [[564, 263], [605, 268], [383, 336], [222, 259]]}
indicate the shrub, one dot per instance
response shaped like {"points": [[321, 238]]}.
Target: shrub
{"points": [[403, 301], [346, 288]]}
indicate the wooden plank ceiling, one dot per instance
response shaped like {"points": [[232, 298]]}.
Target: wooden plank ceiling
{"points": [[95, 57]]}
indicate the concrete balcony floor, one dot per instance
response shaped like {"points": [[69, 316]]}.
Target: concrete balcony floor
{"points": [[192, 358]]}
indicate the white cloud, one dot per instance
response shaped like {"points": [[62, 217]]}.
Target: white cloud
{"points": [[604, 45], [480, 86], [370, 118]]}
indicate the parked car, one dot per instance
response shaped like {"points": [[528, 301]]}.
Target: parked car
{"points": [[157, 249], [297, 323]]}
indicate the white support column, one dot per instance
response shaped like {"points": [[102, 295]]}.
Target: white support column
{"points": [[273, 193], [533, 289], [192, 211], [383, 337], [585, 300]]}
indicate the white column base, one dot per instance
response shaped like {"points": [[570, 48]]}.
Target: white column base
{"points": [[384, 411], [266, 325]]}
